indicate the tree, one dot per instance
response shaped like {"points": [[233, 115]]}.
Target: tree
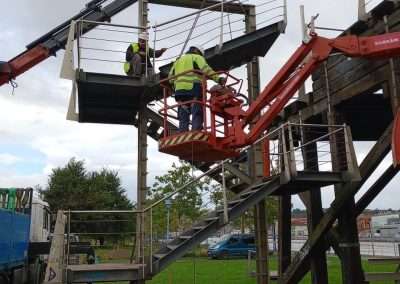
{"points": [[72, 187], [186, 206]]}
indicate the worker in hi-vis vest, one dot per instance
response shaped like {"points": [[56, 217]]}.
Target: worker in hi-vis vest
{"points": [[136, 57], [189, 87]]}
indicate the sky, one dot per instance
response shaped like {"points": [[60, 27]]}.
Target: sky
{"points": [[36, 137]]}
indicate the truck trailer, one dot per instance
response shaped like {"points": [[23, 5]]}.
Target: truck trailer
{"points": [[24, 219]]}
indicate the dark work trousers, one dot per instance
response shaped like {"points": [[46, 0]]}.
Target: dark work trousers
{"points": [[138, 67], [195, 109]]}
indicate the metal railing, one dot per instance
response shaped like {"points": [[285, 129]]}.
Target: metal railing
{"points": [[103, 48], [112, 234], [213, 122]]}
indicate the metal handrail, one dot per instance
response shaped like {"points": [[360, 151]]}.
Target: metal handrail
{"points": [[113, 25], [194, 13], [168, 196]]}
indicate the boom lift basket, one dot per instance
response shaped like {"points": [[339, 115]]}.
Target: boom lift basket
{"points": [[207, 144]]}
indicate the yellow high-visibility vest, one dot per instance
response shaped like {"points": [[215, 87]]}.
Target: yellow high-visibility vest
{"points": [[189, 62], [135, 48]]}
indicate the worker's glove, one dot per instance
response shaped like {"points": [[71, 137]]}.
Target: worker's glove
{"points": [[222, 81]]}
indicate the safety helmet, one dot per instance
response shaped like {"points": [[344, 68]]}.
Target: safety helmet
{"points": [[199, 48], [144, 36]]}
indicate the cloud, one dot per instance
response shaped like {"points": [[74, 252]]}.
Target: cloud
{"points": [[8, 159]]}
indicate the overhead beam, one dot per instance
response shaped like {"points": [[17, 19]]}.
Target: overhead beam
{"points": [[233, 8]]}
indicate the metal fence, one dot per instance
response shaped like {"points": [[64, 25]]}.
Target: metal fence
{"points": [[112, 235]]}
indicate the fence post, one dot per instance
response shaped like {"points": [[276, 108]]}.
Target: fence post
{"points": [[154, 49], [151, 240], [285, 15], [292, 156], [68, 234], [286, 160], [362, 10], [226, 216], [78, 48], [353, 171]]}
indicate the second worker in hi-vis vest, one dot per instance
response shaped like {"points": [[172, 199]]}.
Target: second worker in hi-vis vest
{"points": [[137, 57], [189, 87]]}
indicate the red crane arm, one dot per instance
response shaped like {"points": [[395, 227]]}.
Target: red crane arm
{"points": [[300, 66], [22, 63]]}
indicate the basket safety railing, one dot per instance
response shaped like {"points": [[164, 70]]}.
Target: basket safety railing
{"points": [[213, 122]]}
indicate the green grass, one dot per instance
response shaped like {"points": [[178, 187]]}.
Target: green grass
{"points": [[235, 271]]}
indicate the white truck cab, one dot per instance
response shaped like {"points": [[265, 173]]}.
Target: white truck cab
{"points": [[40, 221]]}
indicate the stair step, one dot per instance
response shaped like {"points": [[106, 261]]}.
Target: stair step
{"points": [[230, 205], [159, 255], [210, 219], [185, 237], [236, 201], [247, 193], [173, 247], [198, 227]]}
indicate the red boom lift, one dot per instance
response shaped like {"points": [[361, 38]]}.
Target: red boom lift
{"points": [[228, 128]]}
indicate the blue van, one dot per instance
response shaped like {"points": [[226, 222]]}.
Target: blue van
{"points": [[237, 245]]}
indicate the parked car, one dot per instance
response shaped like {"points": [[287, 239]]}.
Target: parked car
{"points": [[236, 245]]}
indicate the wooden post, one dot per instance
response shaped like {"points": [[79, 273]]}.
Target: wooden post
{"points": [[256, 166], [142, 161], [393, 81], [352, 272], [319, 273]]}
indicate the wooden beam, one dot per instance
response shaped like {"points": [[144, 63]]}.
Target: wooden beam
{"points": [[375, 189], [238, 173], [382, 276], [196, 4]]}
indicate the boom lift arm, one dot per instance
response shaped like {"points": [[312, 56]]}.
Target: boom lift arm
{"points": [[271, 101], [300, 66], [50, 43]]}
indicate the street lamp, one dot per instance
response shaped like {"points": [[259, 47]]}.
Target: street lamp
{"points": [[168, 204]]}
